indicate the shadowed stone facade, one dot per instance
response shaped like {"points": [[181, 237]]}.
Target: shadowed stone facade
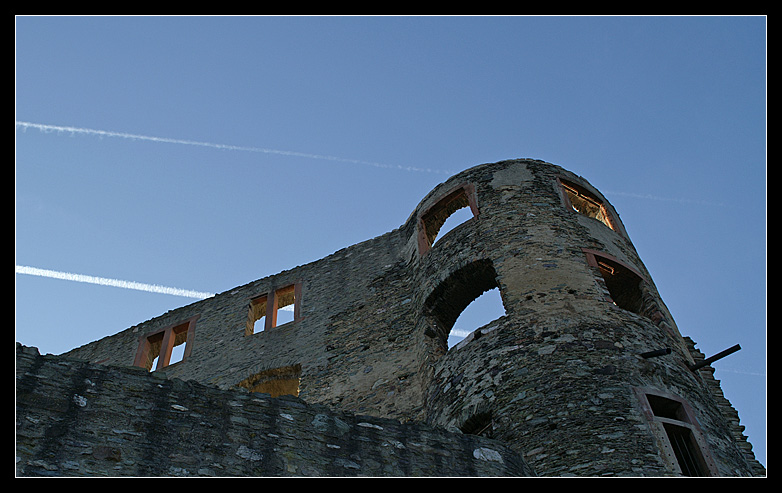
{"points": [[80, 419], [563, 379]]}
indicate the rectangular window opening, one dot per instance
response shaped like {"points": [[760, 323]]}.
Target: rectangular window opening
{"points": [[177, 353], [624, 284], [285, 305], [667, 408], [586, 203], [153, 343], [685, 449], [166, 347], [269, 311], [677, 430], [256, 318]]}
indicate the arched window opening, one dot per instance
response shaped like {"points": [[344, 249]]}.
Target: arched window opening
{"points": [[480, 424], [452, 210], [275, 382], [485, 308], [458, 217], [451, 297]]}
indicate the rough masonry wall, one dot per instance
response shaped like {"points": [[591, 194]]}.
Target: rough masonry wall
{"points": [[354, 341], [560, 378], [79, 419]]}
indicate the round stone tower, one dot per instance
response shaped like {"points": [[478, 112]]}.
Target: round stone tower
{"points": [[586, 373]]}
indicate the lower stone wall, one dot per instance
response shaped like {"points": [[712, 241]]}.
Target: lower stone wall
{"points": [[74, 418]]}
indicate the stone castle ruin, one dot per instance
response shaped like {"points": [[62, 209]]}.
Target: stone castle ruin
{"points": [[585, 374]]}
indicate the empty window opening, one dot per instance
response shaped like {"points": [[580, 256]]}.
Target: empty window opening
{"points": [[480, 424], [166, 347], [452, 210], [677, 431], [275, 382], [256, 319], [584, 202], [451, 297], [685, 449], [625, 285], [269, 311], [177, 355], [458, 217], [485, 308], [154, 343], [284, 304], [663, 407]]}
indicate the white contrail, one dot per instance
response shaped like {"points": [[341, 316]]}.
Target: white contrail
{"points": [[152, 288], [742, 372], [104, 133], [648, 196]]}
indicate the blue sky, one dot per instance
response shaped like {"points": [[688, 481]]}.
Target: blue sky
{"points": [[202, 153]]}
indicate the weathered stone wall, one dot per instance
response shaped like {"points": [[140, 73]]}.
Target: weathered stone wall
{"points": [[354, 341], [560, 378], [79, 419]]}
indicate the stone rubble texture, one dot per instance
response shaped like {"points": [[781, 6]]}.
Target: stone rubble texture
{"points": [[379, 391], [81, 419]]}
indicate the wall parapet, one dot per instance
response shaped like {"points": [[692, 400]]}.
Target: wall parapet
{"points": [[80, 419]]}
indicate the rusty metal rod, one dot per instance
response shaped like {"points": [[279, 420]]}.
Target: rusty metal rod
{"points": [[714, 358], [655, 353]]}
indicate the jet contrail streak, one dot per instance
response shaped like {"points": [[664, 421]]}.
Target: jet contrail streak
{"points": [[152, 288], [104, 133], [647, 196]]}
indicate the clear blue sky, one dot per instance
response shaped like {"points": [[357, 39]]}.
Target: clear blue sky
{"points": [[210, 152]]}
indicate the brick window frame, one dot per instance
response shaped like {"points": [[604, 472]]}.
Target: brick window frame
{"points": [[580, 200], [160, 344], [671, 420], [267, 305], [433, 218]]}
